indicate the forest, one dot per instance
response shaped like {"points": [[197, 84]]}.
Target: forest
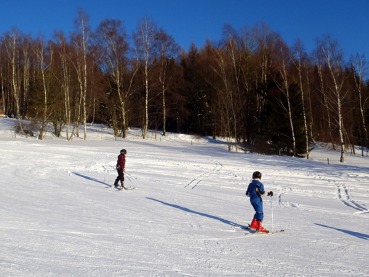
{"points": [[249, 87]]}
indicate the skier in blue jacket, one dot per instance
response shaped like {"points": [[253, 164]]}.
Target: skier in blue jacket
{"points": [[255, 190]]}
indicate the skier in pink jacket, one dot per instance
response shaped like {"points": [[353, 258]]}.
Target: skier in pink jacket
{"points": [[121, 164]]}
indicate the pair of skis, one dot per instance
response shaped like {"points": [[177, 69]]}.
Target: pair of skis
{"points": [[121, 187], [253, 231], [124, 188]]}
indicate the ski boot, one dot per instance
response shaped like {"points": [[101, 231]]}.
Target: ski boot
{"points": [[260, 228], [122, 184], [254, 225], [116, 185]]}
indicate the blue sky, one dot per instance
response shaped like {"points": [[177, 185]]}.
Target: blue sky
{"points": [[197, 20]]}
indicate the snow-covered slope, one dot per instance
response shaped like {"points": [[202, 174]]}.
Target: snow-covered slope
{"points": [[61, 217]]}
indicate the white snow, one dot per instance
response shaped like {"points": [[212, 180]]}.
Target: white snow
{"points": [[61, 217]]}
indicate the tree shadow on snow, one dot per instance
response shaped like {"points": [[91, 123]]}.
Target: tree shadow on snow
{"points": [[352, 233], [91, 179], [225, 221]]}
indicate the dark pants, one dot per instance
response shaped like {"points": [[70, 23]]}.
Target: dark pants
{"points": [[120, 177]]}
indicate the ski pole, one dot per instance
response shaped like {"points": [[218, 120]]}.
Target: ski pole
{"points": [[271, 203], [129, 178]]}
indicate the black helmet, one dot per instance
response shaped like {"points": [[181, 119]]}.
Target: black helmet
{"points": [[123, 151], [256, 175]]}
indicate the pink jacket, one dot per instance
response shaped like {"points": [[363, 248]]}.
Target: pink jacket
{"points": [[121, 162]]}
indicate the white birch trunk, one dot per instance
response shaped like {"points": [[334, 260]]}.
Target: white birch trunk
{"points": [[360, 70], [14, 82], [40, 54], [338, 101], [3, 91], [299, 69]]}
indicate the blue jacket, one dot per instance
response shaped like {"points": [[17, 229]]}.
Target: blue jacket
{"points": [[255, 189]]}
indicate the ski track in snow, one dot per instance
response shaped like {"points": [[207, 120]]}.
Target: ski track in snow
{"points": [[344, 196], [196, 181], [60, 216], [342, 192]]}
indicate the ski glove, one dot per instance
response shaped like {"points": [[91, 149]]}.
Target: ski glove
{"points": [[270, 193]]}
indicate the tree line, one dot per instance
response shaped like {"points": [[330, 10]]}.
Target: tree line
{"points": [[249, 87]]}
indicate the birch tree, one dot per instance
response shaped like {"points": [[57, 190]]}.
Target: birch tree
{"points": [[64, 58], [284, 55], [333, 60], [299, 62], [25, 63], [323, 92], [247, 46], [168, 49], [144, 40], [360, 68], [2, 79], [228, 70], [11, 45], [112, 46], [81, 40], [44, 64], [263, 60], [224, 93]]}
